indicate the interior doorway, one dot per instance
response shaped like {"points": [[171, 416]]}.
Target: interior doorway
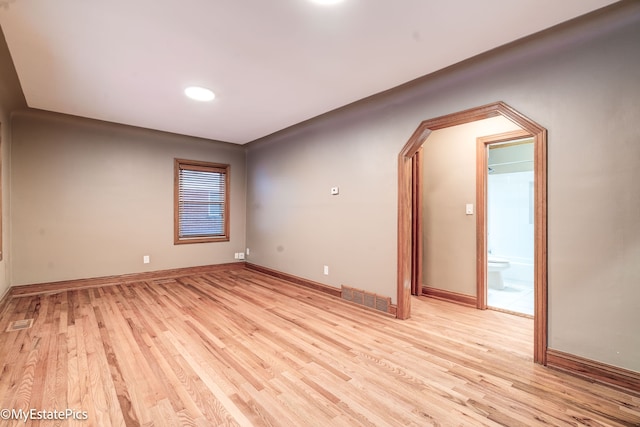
{"points": [[505, 222], [409, 266]]}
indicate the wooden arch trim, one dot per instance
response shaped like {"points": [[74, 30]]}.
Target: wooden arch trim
{"points": [[405, 182]]}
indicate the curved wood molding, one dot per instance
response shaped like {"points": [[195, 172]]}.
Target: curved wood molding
{"points": [[405, 173]]}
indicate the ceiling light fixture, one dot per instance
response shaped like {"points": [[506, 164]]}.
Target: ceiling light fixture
{"points": [[327, 2], [199, 93]]}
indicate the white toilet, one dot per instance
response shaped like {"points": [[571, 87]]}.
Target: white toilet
{"points": [[495, 267]]}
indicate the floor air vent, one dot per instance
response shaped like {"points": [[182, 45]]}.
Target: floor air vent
{"points": [[19, 325], [367, 299]]}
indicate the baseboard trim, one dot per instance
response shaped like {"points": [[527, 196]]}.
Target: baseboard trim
{"points": [[333, 291], [449, 296], [327, 289], [66, 285], [74, 284], [594, 371], [4, 301]]}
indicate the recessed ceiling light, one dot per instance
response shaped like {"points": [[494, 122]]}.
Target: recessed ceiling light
{"points": [[199, 93], [327, 1]]}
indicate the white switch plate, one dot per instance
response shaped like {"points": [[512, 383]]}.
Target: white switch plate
{"points": [[335, 191], [146, 259], [469, 209], [326, 270], [248, 251]]}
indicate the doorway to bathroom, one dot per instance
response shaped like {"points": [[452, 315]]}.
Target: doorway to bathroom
{"points": [[410, 248], [508, 206]]}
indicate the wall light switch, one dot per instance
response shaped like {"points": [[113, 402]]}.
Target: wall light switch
{"points": [[469, 210], [145, 259], [335, 191], [326, 270]]}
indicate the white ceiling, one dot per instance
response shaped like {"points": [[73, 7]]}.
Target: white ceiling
{"points": [[271, 63]]}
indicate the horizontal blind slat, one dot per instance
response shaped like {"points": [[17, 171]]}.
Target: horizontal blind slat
{"points": [[201, 201]]}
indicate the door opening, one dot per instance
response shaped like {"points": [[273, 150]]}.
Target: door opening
{"points": [[505, 223], [409, 266]]}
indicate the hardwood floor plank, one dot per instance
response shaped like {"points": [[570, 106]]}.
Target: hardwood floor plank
{"points": [[240, 348], [194, 387], [83, 382], [39, 357], [176, 383], [19, 396], [266, 409], [101, 388], [118, 371]]}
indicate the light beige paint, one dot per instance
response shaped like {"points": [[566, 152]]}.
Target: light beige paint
{"points": [[580, 82], [11, 99], [4, 177], [449, 183], [90, 199], [298, 227]]}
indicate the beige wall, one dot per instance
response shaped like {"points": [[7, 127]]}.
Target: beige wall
{"points": [[89, 199], [5, 141], [449, 183], [579, 81], [297, 226], [5, 137], [11, 98]]}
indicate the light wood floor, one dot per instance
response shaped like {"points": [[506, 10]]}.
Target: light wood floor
{"points": [[240, 348]]}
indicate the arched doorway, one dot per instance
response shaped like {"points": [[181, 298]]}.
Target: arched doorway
{"points": [[408, 248]]}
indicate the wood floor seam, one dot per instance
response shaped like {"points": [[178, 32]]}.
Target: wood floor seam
{"points": [[238, 347]]}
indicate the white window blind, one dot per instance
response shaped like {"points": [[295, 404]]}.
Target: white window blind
{"points": [[201, 200]]}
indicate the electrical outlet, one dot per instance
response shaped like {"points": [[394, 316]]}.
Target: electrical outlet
{"points": [[241, 255], [326, 270], [236, 255], [335, 191], [146, 259]]}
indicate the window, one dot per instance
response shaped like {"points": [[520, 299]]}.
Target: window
{"points": [[201, 202]]}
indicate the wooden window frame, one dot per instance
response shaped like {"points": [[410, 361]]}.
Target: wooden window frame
{"points": [[205, 167]]}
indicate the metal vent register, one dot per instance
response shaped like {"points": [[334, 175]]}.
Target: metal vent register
{"points": [[367, 299], [19, 325]]}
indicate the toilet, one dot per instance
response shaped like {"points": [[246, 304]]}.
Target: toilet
{"points": [[495, 267]]}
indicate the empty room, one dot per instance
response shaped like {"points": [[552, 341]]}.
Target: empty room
{"points": [[320, 213]]}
